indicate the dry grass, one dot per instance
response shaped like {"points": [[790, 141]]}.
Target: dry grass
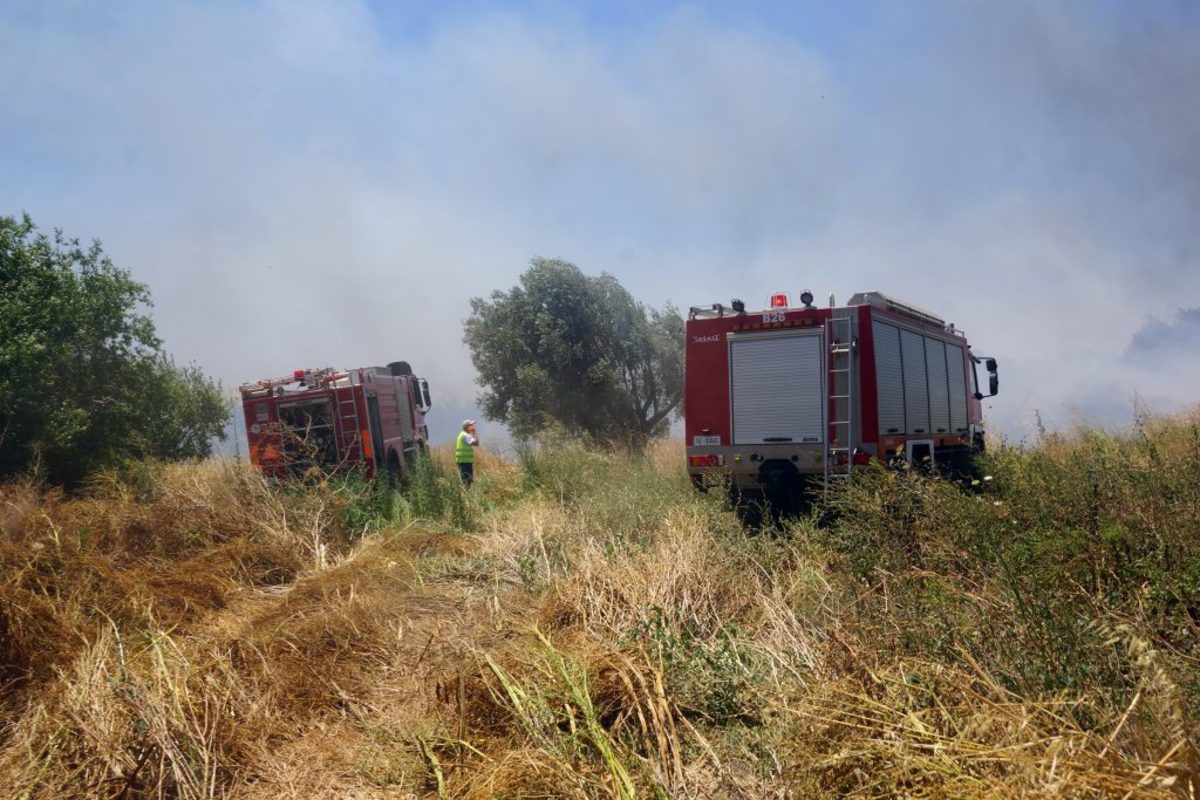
{"points": [[226, 651], [582, 625]]}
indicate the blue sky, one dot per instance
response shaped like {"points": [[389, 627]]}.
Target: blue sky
{"points": [[329, 182]]}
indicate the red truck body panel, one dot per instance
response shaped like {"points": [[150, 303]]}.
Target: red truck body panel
{"points": [[741, 369], [370, 418]]}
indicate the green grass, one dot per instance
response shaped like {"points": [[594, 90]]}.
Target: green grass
{"points": [[1070, 550]]}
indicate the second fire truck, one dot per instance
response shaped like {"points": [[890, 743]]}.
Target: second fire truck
{"points": [[780, 400], [369, 418]]}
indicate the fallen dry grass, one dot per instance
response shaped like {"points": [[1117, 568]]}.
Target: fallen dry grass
{"points": [[580, 624], [232, 649]]}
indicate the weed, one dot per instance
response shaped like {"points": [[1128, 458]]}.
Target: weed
{"points": [[712, 679]]}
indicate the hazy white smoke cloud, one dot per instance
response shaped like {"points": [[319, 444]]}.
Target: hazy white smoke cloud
{"points": [[300, 185]]}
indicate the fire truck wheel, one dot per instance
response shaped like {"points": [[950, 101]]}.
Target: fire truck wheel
{"points": [[960, 466], [394, 474], [750, 506], [413, 456], [784, 489]]}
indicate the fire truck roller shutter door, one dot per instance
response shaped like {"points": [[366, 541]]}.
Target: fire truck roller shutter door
{"points": [[777, 388], [939, 391], [374, 439], [406, 415], [916, 385], [957, 378], [889, 379]]}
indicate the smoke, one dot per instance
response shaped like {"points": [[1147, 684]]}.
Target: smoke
{"points": [[328, 183]]}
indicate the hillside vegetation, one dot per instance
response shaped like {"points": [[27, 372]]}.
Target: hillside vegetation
{"points": [[584, 625]]}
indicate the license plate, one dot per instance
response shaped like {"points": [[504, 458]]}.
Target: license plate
{"points": [[699, 441]]}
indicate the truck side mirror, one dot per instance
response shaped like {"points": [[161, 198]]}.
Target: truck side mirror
{"points": [[993, 377], [425, 395]]}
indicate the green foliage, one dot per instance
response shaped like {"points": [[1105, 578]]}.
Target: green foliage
{"points": [[367, 505], [435, 493], [430, 494], [621, 496], [563, 466], [84, 383], [712, 678], [563, 347], [1043, 573], [182, 412]]}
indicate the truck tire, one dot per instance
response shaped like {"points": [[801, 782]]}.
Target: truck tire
{"points": [[958, 464], [414, 453], [395, 473], [784, 489], [749, 505]]}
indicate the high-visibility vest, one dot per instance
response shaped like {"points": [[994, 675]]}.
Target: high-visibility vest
{"points": [[464, 453]]}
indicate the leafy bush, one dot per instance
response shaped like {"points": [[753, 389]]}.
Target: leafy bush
{"points": [[712, 678], [84, 384], [1066, 542]]}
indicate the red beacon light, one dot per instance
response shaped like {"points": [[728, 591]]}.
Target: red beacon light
{"points": [[779, 300], [298, 375]]}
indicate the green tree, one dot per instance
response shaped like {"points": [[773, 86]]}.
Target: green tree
{"points": [[84, 383], [567, 348]]}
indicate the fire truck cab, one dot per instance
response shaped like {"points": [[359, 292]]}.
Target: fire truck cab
{"points": [[779, 400], [369, 418]]}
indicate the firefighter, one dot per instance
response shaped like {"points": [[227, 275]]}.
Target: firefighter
{"points": [[464, 452]]}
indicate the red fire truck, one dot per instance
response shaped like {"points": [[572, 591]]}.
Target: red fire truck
{"points": [[781, 400], [371, 418]]}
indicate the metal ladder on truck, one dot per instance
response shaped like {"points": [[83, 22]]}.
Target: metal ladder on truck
{"points": [[839, 438], [349, 418]]}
